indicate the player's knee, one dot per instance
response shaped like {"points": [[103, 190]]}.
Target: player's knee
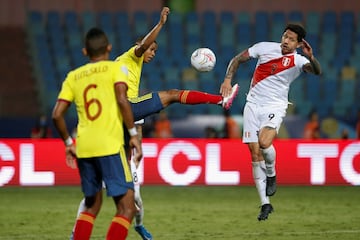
{"points": [[173, 94], [255, 157], [169, 96], [266, 138], [265, 144]]}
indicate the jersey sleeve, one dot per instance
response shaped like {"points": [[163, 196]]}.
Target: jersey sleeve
{"points": [[121, 73], [300, 60], [66, 92], [256, 50]]}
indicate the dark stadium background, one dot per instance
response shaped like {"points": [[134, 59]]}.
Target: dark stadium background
{"points": [[41, 40]]}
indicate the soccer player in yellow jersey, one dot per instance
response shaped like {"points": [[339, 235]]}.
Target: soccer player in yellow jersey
{"points": [[143, 52], [98, 90]]}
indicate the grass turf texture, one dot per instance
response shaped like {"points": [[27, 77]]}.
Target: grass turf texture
{"points": [[182, 213]]}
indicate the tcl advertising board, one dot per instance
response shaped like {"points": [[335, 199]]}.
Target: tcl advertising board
{"points": [[27, 162]]}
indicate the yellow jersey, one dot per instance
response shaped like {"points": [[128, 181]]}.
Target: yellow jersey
{"points": [[134, 65], [92, 88]]}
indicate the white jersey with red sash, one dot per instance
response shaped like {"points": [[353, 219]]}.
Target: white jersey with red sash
{"points": [[273, 74]]}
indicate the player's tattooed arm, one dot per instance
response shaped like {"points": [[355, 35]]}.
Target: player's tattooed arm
{"points": [[225, 88], [235, 62], [313, 66]]}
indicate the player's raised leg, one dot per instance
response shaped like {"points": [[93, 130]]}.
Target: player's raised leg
{"points": [[192, 97]]}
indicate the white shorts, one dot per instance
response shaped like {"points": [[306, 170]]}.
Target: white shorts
{"points": [[258, 116]]}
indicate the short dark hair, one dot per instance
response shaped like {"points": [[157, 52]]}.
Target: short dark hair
{"points": [[298, 29], [96, 42]]}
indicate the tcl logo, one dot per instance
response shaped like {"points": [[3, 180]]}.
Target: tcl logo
{"points": [[194, 168], [319, 153], [205, 161], [25, 162], [27, 175]]}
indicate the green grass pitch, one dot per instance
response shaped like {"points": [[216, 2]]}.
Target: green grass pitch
{"points": [[184, 213]]}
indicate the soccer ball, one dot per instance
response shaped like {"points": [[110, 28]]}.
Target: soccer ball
{"points": [[203, 59]]}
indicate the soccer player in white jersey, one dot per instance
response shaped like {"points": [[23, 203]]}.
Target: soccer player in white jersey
{"points": [[278, 64]]}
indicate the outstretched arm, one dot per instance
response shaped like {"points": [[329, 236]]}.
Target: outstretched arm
{"points": [[59, 121], [225, 88], [152, 35], [314, 65]]}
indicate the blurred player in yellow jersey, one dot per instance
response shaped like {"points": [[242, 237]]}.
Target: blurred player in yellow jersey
{"points": [[98, 90]]}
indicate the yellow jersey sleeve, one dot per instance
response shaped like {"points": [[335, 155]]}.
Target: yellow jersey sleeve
{"points": [[134, 65]]}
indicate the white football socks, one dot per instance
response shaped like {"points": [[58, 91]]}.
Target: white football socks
{"points": [[138, 201], [259, 175], [269, 155], [140, 208]]}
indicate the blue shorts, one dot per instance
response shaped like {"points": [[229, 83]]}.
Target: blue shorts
{"points": [[146, 105], [113, 170]]}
